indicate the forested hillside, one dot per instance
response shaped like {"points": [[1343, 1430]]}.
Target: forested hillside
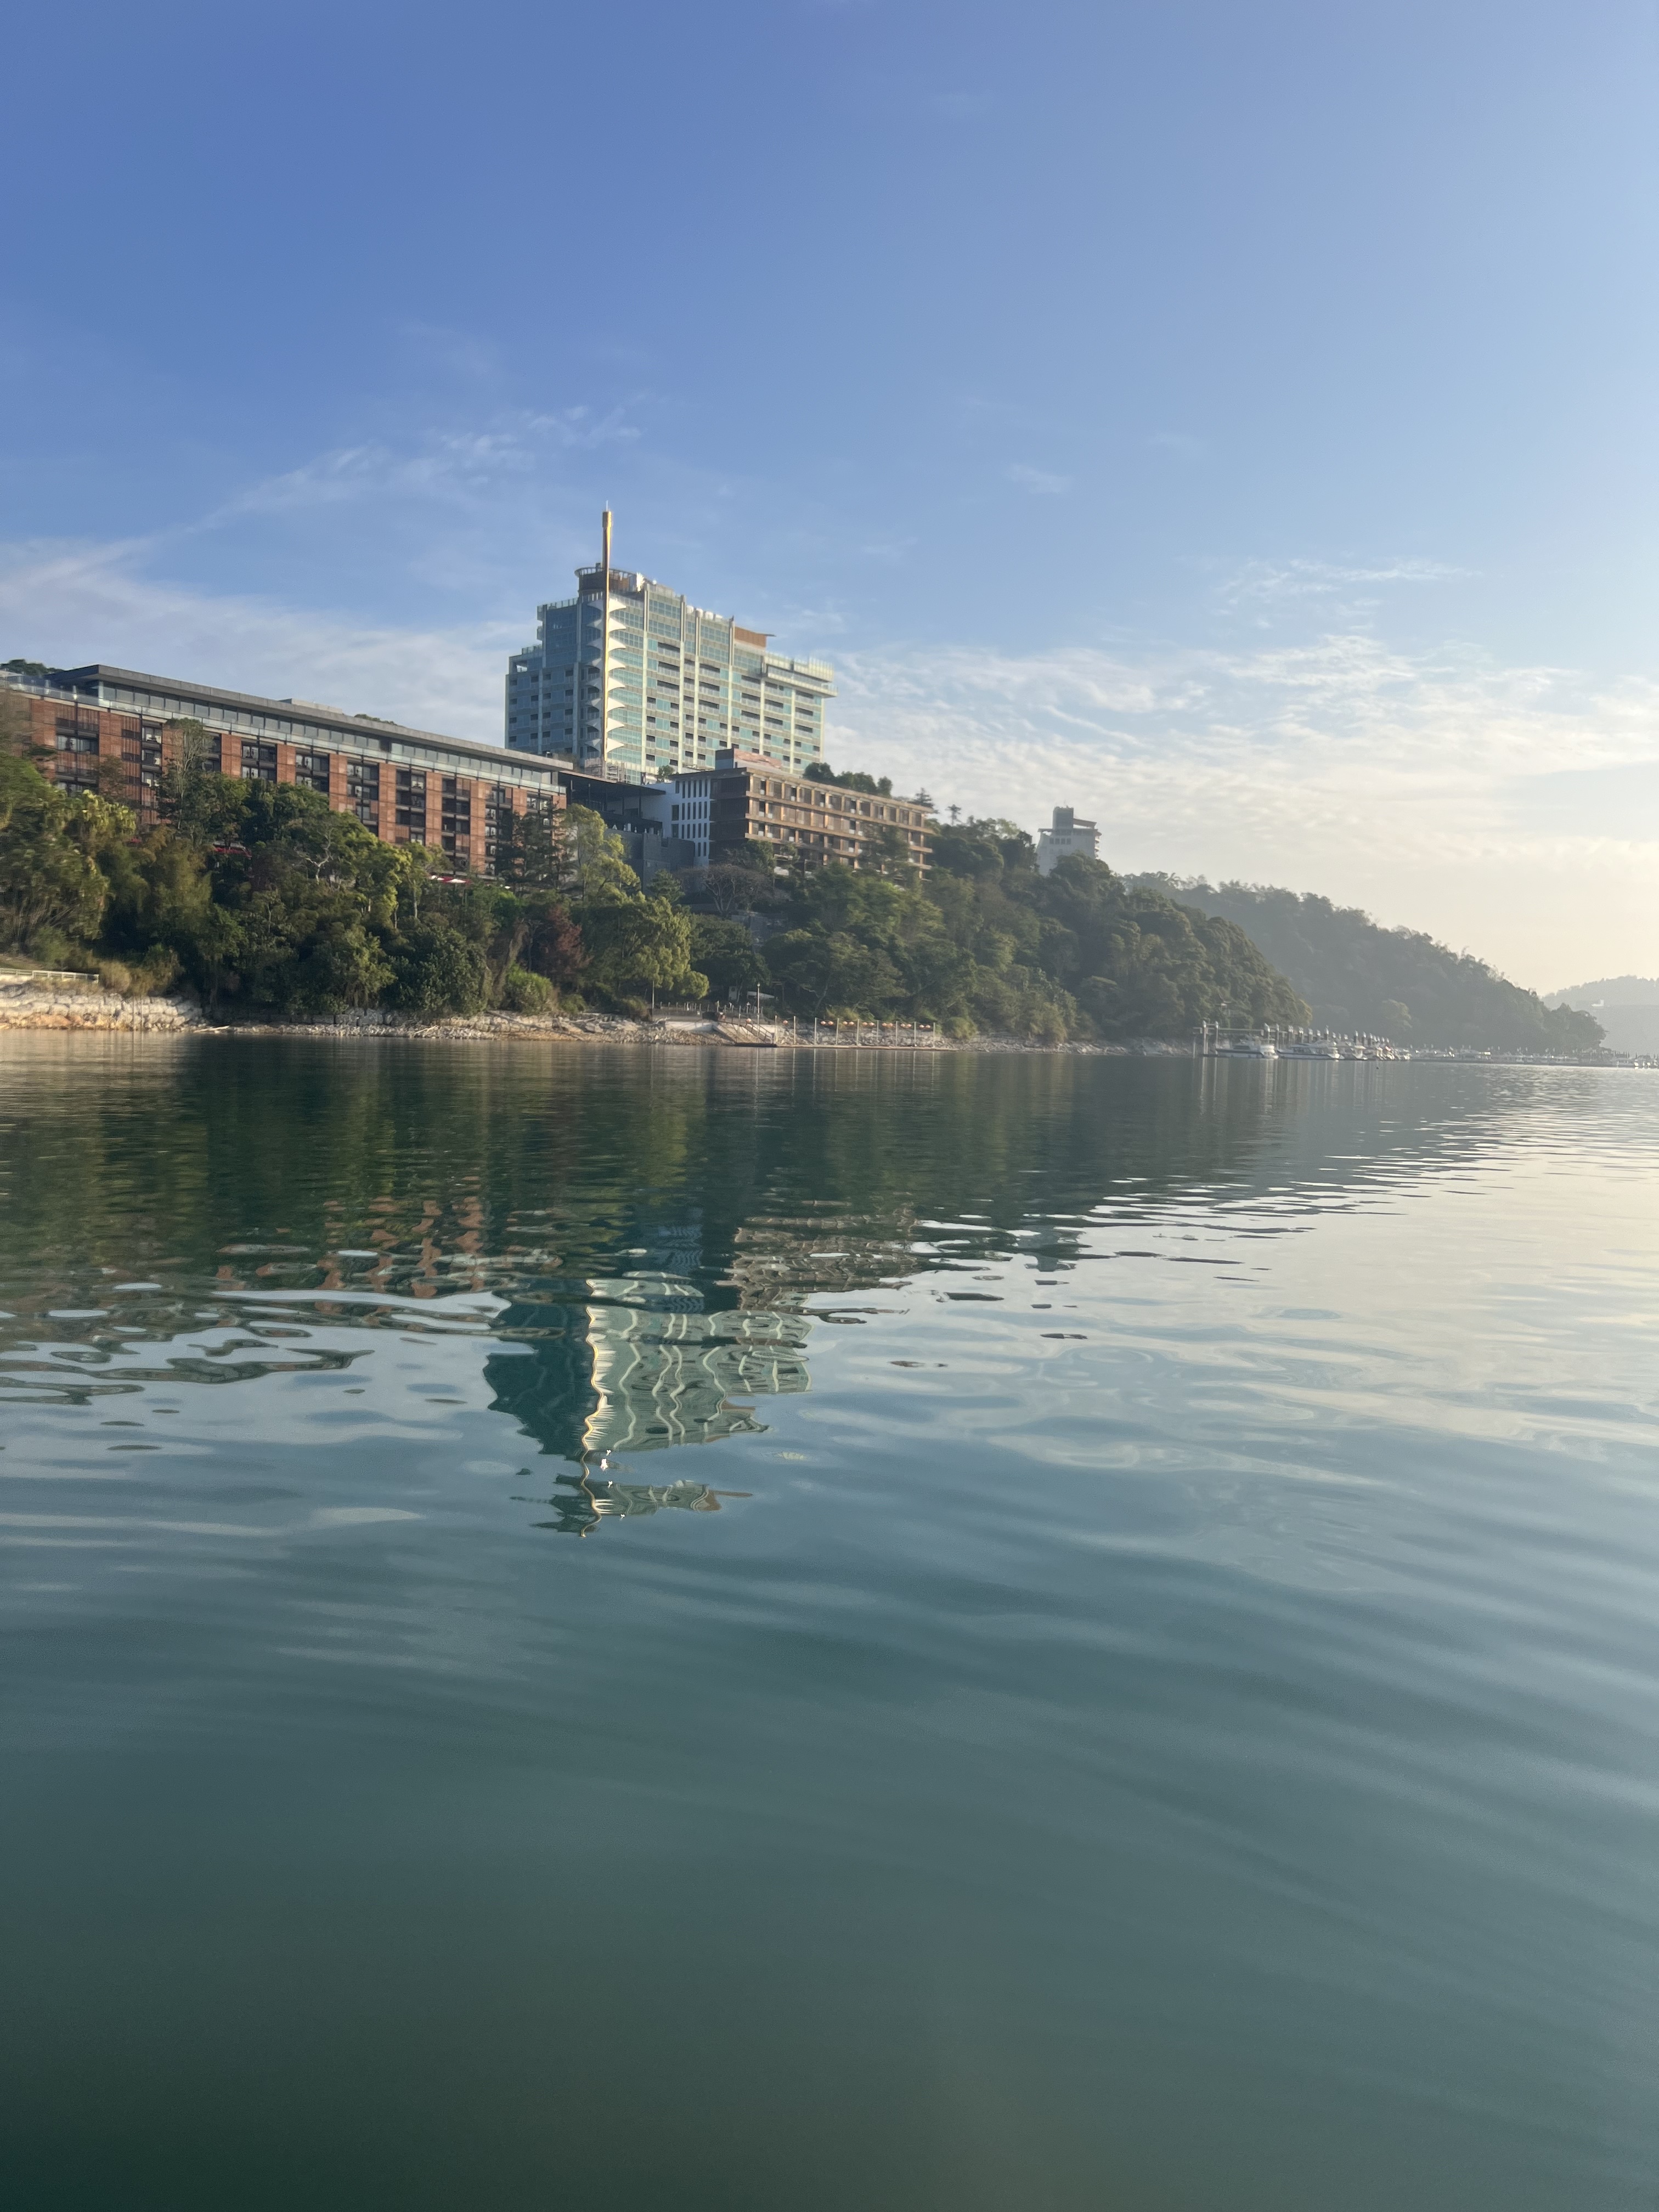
{"points": [[258, 899], [1399, 983], [985, 942]]}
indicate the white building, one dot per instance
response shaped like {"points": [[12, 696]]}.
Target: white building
{"points": [[680, 683], [689, 807], [1067, 836]]}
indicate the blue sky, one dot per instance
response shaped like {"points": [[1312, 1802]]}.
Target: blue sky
{"points": [[1236, 421]]}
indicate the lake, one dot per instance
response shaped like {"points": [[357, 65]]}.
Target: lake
{"points": [[729, 1630]]}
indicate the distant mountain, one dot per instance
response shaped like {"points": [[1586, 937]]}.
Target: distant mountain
{"points": [[1611, 991], [1627, 1007], [1398, 983]]}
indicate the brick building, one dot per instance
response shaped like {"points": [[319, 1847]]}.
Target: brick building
{"points": [[119, 730], [407, 786], [748, 799]]}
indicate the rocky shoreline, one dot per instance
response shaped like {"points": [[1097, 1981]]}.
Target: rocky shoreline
{"points": [[92, 1010]]}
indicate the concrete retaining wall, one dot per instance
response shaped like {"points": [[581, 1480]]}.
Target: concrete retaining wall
{"points": [[49, 1004]]}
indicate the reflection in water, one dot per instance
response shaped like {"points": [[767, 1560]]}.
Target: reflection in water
{"points": [[1174, 1728], [639, 1364], [582, 1501], [643, 1249]]}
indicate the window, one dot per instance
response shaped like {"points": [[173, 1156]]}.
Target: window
{"points": [[259, 761], [311, 770], [411, 799]]}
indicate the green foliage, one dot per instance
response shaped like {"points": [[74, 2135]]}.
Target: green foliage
{"points": [[531, 854], [258, 896], [725, 952], [638, 946], [524, 992], [16, 724], [850, 780], [760, 857], [440, 972], [596, 865], [1356, 974], [986, 942], [732, 889], [51, 845]]}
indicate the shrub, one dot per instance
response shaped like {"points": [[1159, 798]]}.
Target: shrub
{"points": [[524, 992], [439, 972]]}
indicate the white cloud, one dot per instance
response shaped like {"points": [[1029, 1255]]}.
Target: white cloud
{"points": [[68, 604], [1418, 786]]}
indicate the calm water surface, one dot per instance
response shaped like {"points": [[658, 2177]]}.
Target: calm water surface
{"points": [[748, 1631]]}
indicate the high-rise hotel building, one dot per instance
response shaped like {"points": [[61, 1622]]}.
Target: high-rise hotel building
{"points": [[630, 679]]}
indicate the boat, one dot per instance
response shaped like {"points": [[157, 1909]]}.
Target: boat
{"points": [[1244, 1048]]}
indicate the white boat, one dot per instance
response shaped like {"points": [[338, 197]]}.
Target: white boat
{"points": [[1245, 1047]]}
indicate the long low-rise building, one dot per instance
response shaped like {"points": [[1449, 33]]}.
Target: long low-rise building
{"points": [[748, 801], [708, 816], [101, 727], [408, 786]]}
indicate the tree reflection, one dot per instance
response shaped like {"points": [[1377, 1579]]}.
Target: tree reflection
{"points": [[644, 1240]]}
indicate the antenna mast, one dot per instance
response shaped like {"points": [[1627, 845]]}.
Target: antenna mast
{"points": [[604, 648]]}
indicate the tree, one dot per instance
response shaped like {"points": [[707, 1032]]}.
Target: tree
{"points": [[554, 947], [193, 795], [597, 869], [850, 780], [887, 850], [1356, 974], [760, 856], [725, 952], [51, 884], [640, 945], [531, 852], [16, 724], [439, 972], [732, 889]]}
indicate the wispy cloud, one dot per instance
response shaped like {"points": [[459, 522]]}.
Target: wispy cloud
{"points": [[1511, 809], [1042, 482], [1259, 582], [1403, 781], [457, 466], [66, 604]]}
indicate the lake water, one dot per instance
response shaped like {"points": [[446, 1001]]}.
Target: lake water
{"points": [[737, 1630]]}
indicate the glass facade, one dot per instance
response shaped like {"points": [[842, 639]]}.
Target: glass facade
{"points": [[682, 683]]}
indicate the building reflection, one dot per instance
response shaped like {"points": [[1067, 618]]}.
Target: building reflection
{"points": [[638, 1363], [582, 1500], [649, 1360]]}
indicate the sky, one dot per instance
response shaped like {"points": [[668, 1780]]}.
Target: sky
{"points": [[1235, 422]]}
